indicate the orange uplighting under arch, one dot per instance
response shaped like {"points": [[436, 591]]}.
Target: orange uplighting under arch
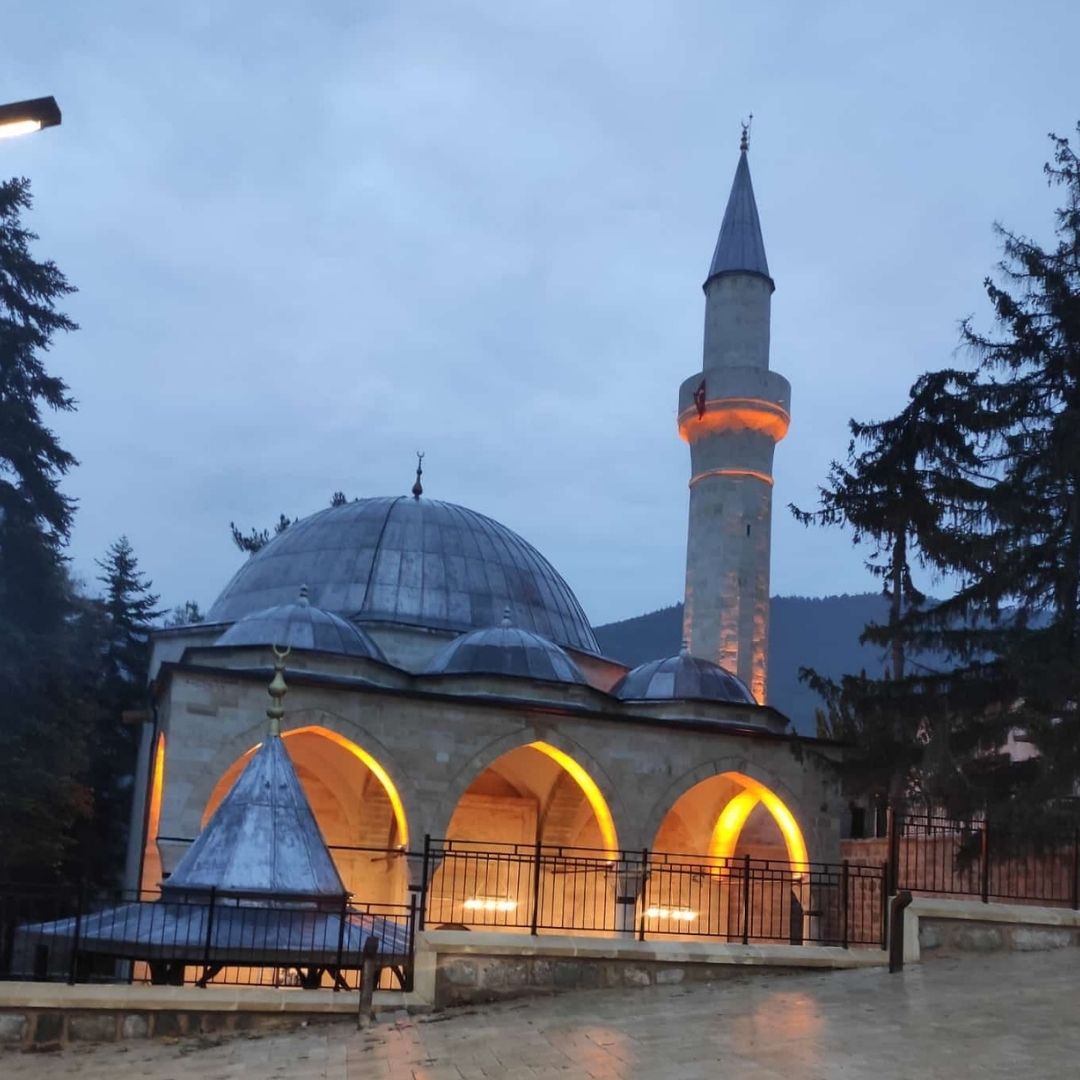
{"points": [[729, 825], [593, 795], [151, 862], [371, 763]]}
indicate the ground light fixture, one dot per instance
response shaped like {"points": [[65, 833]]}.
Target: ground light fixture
{"points": [[24, 117], [489, 903]]}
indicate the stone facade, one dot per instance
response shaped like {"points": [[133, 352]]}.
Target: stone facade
{"points": [[433, 745]]}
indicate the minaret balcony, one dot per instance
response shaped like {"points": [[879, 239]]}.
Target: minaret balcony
{"points": [[734, 400]]}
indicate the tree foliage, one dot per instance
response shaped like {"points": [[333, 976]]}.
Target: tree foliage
{"points": [[256, 539], [47, 654], [128, 613], [978, 479], [186, 614]]}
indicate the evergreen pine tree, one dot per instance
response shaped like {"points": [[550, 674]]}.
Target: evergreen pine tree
{"points": [[889, 494], [128, 614], [46, 642], [1015, 619]]}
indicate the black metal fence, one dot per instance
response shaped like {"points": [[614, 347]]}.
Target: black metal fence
{"points": [[930, 852], [541, 889], [113, 936]]}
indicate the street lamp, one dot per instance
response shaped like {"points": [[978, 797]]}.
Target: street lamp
{"points": [[22, 117]]}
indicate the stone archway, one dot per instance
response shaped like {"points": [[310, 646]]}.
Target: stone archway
{"points": [[357, 806], [729, 813], [529, 843], [730, 859]]}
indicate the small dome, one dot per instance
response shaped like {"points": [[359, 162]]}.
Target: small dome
{"points": [[682, 677], [301, 626], [506, 650]]}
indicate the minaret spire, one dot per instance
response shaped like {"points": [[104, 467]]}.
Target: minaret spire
{"points": [[732, 413]]}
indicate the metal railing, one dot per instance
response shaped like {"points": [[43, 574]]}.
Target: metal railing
{"points": [[121, 936], [930, 852], [644, 894]]}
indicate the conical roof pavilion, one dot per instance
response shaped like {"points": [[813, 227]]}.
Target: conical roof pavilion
{"points": [[263, 839]]}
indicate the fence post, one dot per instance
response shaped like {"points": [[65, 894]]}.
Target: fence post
{"points": [[73, 970], [896, 931], [201, 981], [985, 860], [424, 878], [644, 882], [746, 900], [884, 906], [845, 882], [340, 942], [1076, 870], [365, 1013], [412, 944], [892, 830], [535, 888]]}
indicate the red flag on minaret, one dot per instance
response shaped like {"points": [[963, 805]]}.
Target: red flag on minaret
{"points": [[699, 399]]}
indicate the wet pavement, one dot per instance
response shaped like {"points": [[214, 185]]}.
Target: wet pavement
{"points": [[1008, 1015]]}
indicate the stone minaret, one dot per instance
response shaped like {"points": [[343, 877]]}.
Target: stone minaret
{"points": [[733, 414]]}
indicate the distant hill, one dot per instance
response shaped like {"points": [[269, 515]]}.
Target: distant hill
{"points": [[818, 632]]}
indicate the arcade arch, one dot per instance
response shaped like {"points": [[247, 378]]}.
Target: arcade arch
{"points": [[533, 796], [356, 805]]}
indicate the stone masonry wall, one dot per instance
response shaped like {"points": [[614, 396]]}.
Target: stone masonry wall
{"points": [[52, 1029], [463, 980], [950, 936]]}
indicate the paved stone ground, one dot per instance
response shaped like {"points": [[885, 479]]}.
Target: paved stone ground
{"points": [[1006, 1015]]}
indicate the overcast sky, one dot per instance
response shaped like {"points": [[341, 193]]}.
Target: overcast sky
{"points": [[310, 239]]}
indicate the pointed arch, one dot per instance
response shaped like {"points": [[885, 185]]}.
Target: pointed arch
{"points": [[729, 825], [593, 795], [370, 762]]}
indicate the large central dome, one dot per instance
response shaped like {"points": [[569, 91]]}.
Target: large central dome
{"points": [[420, 562]]}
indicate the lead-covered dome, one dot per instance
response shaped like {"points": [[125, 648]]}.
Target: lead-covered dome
{"points": [[682, 677], [419, 562], [505, 650], [300, 625]]}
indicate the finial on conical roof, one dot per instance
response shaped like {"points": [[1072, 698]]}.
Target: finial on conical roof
{"points": [[277, 688], [418, 487]]}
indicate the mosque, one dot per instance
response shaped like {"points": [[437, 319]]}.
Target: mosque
{"points": [[444, 681]]}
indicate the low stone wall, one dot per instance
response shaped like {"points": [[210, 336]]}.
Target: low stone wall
{"points": [[54, 1028], [940, 927], [46, 1016], [945, 936], [461, 980], [465, 968]]}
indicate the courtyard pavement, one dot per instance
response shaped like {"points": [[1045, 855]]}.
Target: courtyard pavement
{"points": [[1007, 1015]]}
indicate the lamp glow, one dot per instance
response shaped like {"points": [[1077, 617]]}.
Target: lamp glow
{"points": [[26, 117], [489, 903], [684, 915], [19, 127]]}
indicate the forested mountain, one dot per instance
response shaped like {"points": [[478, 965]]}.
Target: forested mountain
{"points": [[818, 632]]}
